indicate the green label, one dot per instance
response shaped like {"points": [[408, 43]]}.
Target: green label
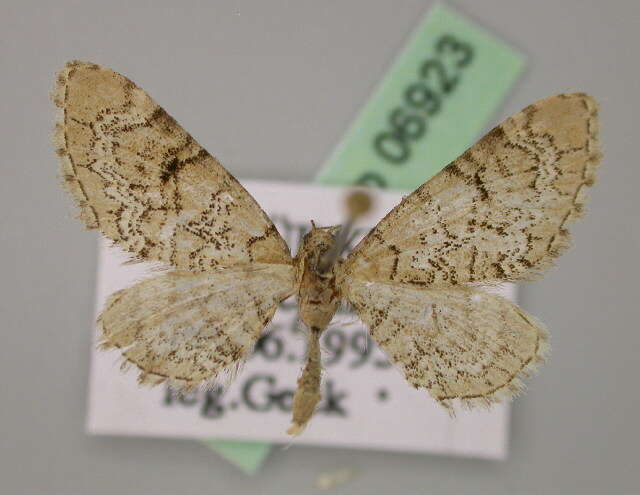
{"points": [[248, 456], [430, 107]]}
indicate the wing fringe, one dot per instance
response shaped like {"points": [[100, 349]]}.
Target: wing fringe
{"points": [[67, 170]]}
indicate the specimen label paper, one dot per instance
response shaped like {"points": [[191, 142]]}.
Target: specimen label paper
{"points": [[366, 402]]}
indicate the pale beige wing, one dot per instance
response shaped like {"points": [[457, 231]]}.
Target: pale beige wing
{"points": [[148, 185], [187, 328], [499, 212], [458, 342]]}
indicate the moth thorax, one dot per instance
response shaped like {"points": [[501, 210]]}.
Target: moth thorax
{"points": [[317, 295]]}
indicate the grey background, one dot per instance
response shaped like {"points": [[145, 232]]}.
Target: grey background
{"points": [[269, 87]]}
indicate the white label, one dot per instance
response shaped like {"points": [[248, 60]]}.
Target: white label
{"points": [[366, 402]]}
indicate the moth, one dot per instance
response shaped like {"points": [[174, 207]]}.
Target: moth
{"points": [[418, 280]]}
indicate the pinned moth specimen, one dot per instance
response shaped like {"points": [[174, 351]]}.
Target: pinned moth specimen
{"points": [[498, 213]]}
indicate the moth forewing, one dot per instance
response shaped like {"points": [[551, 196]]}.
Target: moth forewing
{"points": [[141, 179], [497, 213]]}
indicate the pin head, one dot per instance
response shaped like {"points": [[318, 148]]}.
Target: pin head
{"points": [[358, 203]]}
